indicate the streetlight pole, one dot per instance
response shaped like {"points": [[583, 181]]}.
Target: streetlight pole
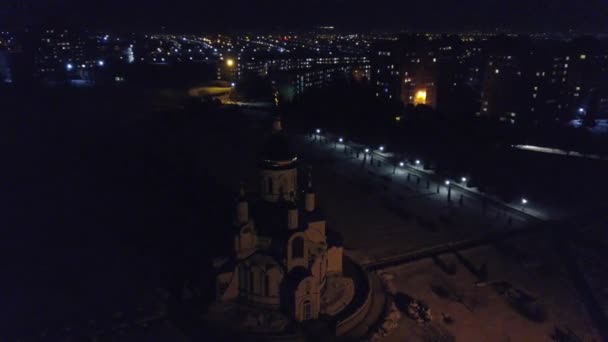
{"points": [[449, 185]]}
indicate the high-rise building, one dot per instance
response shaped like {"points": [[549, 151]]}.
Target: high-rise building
{"points": [[61, 52], [8, 47]]}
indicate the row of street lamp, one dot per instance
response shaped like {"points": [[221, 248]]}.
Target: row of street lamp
{"points": [[417, 162]]}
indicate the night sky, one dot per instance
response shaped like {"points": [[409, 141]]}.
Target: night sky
{"points": [[192, 15]]}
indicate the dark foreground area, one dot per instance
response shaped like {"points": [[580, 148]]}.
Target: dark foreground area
{"points": [[109, 207]]}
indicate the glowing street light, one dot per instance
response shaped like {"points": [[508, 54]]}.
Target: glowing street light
{"points": [[233, 84], [381, 148], [401, 164], [69, 66], [101, 63], [524, 201], [318, 131], [417, 162], [367, 150], [464, 179], [341, 140], [447, 182], [230, 62]]}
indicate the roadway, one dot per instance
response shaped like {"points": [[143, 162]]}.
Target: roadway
{"points": [[389, 164]]}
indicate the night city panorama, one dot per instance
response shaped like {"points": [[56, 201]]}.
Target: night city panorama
{"points": [[304, 171]]}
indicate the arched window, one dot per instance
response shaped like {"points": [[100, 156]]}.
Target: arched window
{"points": [[267, 286], [297, 248], [306, 310]]}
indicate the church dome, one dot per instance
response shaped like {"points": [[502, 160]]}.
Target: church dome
{"points": [[277, 152]]}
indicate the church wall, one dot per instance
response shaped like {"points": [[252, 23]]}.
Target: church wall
{"points": [[260, 286], [273, 182], [318, 270], [316, 232], [335, 256], [227, 286], [245, 242], [307, 292]]}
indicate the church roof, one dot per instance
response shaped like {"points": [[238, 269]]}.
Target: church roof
{"points": [[278, 148], [264, 259], [277, 152]]}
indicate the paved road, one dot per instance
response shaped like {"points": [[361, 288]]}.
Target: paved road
{"points": [[458, 187]]}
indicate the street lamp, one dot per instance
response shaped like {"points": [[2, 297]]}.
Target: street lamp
{"points": [[69, 66], [464, 179], [367, 150], [524, 201], [230, 62], [448, 184], [318, 131], [341, 140], [417, 162], [401, 164], [381, 148]]}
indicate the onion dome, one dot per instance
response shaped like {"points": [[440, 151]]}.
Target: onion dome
{"points": [[277, 152]]}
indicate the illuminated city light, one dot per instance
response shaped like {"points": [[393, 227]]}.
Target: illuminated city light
{"points": [[69, 66], [230, 62], [401, 164], [318, 131], [417, 162], [420, 97], [367, 150], [447, 182], [464, 179], [381, 148], [340, 140], [524, 201], [101, 63]]}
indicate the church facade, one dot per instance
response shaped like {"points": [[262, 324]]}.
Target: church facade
{"points": [[284, 257]]}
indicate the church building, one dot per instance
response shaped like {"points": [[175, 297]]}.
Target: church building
{"points": [[284, 257]]}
